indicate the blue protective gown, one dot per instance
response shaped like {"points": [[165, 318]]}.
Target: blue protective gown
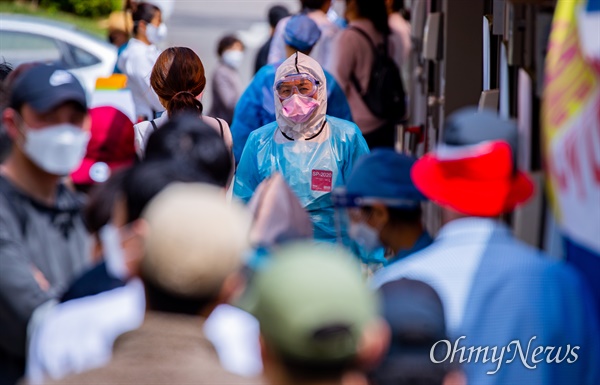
{"points": [[311, 168], [256, 106]]}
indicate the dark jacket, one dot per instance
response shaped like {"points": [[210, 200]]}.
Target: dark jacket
{"points": [[34, 237]]}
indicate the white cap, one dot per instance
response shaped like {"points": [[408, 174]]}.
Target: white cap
{"points": [[195, 239]]}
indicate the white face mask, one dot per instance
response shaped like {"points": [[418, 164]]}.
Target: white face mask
{"points": [[233, 58], [114, 256], [57, 149], [366, 236], [156, 34]]}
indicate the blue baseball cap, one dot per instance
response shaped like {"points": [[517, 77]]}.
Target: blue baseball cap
{"points": [[381, 176], [301, 32]]}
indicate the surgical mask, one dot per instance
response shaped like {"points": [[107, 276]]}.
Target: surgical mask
{"points": [[156, 34], [299, 108], [233, 58], [57, 149], [114, 256], [366, 236]]}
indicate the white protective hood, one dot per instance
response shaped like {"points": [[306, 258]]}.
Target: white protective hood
{"points": [[300, 63]]}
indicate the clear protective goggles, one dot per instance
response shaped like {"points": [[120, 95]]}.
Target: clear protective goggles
{"points": [[302, 84]]}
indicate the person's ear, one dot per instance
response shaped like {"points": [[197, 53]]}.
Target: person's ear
{"points": [[134, 247], [142, 27], [374, 344], [233, 286], [10, 121]]}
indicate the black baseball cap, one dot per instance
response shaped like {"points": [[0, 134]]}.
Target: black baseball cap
{"points": [[44, 87]]}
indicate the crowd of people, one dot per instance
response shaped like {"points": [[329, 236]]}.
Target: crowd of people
{"points": [[279, 240]]}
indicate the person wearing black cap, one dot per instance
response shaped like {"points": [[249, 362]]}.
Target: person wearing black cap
{"points": [[497, 291], [384, 207], [415, 315], [43, 240]]}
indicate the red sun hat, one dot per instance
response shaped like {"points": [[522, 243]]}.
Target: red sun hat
{"points": [[111, 146], [477, 179]]}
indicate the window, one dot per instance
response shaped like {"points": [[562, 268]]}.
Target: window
{"points": [[20, 47], [82, 58]]}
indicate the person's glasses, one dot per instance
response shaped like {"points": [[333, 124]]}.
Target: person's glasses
{"points": [[302, 84]]}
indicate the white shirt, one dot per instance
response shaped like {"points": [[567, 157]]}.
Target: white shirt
{"points": [[137, 61], [448, 265], [143, 130], [78, 335], [235, 335]]}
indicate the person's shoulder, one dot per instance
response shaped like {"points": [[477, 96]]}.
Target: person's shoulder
{"points": [[266, 71], [343, 127], [264, 130]]}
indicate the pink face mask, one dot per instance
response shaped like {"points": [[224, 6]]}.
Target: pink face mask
{"points": [[299, 108]]}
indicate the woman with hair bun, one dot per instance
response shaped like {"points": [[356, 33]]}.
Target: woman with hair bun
{"points": [[178, 79]]}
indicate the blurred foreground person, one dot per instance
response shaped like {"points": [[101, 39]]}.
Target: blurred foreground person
{"points": [[314, 152], [256, 107], [318, 321], [79, 334], [276, 13], [178, 79], [138, 58], [415, 314], [317, 11], [43, 241], [362, 51], [193, 242], [226, 81], [190, 140], [279, 219], [5, 69], [384, 207], [495, 289]]}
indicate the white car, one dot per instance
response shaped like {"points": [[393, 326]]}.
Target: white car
{"points": [[26, 39]]}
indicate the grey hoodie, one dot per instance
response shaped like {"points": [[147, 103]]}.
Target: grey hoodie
{"points": [[33, 236]]}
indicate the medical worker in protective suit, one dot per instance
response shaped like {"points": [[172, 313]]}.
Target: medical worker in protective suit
{"points": [[313, 151], [256, 106]]}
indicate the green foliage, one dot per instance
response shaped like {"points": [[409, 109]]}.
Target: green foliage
{"points": [[86, 8]]}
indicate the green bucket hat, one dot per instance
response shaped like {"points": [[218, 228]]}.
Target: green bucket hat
{"points": [[312, 303]]}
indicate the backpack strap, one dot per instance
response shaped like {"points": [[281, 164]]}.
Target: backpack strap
{"points": [[353, 77], [221, 127], [154, 126]]}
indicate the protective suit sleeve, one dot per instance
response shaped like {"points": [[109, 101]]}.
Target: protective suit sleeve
{"points": [[250, 114], [247, 177]]}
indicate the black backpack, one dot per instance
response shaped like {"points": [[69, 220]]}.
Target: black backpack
{"points": [[385, 96]]}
